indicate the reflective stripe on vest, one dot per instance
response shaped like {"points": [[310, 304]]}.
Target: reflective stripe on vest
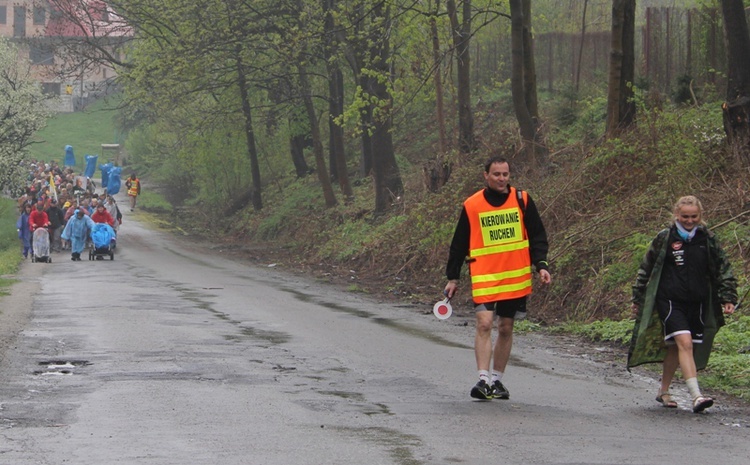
{"points": [[499, 249]]}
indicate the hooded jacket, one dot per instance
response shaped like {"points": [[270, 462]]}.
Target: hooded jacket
{"points": [[647, 344]]}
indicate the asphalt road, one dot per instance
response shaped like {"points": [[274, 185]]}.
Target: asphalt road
{"points": [[176, 354]]}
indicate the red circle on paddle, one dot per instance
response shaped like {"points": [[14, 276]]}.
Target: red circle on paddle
{"points": [[442, 309]]}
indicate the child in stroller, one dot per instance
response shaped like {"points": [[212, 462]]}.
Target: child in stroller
{"points": [[40, 249], [103, 238]]}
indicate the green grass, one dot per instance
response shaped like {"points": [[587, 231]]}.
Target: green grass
{"points": [[150, 201], [730, 358], [10, 253], [603, 330], [85, 130]]}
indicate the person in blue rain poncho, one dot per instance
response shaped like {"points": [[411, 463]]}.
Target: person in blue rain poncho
{"points": [[77, 231], [24, 231]]}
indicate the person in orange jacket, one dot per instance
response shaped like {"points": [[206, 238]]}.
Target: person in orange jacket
{"points": [[134, 189]]}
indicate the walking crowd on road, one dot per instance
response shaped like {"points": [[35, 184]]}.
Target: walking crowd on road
{"points": [[66, 204], [683, 289]]}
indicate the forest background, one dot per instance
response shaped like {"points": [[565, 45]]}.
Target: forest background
{"points": [[231, 114]]}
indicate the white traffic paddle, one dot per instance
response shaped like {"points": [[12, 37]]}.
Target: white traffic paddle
{"points": [[443, 309]]}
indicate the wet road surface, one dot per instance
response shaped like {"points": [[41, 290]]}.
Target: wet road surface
{"points": [[172, 354]]}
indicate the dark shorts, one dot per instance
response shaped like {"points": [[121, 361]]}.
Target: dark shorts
{"points": [[681, 318], [504, 308]]}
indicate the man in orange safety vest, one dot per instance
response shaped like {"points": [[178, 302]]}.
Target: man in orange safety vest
{"points": [[134, 189], [500, 235]]}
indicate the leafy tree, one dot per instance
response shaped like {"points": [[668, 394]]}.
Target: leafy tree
{"points": [[368, 27], [189, 51], [23, 111]]}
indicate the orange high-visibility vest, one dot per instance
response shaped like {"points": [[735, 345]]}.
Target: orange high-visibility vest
{"points": [[499, 256], [134, 187]]}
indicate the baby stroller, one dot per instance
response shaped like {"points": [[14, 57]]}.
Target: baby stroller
{"points": [[103, 239], [40, 244]]}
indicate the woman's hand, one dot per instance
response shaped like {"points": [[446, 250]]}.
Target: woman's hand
{"points": [[634, 310]]}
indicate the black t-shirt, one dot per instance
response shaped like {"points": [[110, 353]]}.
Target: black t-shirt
{"points": [[685, 275]]}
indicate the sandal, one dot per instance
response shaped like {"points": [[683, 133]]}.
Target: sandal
{"points": [[665, 399], [701, 403]]}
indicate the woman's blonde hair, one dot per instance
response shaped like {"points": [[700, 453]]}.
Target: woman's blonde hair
{"points": [[687, 201]]}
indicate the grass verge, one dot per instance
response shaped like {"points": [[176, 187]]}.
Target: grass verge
{"points": [[10, 256], [729, 367]]}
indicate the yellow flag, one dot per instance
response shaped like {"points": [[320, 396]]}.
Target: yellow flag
{"points": [[52, 187]]}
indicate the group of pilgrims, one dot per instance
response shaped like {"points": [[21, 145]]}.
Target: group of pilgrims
{"points": [[66, 205]]}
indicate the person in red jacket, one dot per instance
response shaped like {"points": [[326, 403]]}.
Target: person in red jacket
{"points": [[101, 215], [38, 218]]}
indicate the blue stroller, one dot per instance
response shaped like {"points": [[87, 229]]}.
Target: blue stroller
{"points": [[103, 238]]}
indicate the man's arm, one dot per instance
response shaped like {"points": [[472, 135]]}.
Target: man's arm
{"points": [[538, 244], [459, 248]]}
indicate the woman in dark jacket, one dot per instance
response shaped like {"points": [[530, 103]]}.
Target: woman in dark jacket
{"points": [[683, 286], [24, 231]]}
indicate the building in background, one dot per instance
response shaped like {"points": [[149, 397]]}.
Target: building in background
{"points": [[73, 45]]}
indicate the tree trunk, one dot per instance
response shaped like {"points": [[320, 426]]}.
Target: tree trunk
{"points": [[580, 49], [297, 145], [520, 107], [365, 166], [620, 105], [437, 171], [738, 49], [438, 66], [388, 185], [737, 107], [252, 150], [320, 164], [461, 40], [299, 140], [337, 157], [336, 131], [529, 67]]}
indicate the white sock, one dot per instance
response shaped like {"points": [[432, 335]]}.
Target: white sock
{"points": [[485, 375], [497, 376], [692, 385]]}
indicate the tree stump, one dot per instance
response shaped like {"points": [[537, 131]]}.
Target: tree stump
{"points": [[436, 173]]}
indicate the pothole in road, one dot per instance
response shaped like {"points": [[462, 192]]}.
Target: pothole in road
{"points": [[60, 367]]}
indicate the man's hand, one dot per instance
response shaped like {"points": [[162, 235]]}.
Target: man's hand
{"points": [[450, 288], [545, 277]]}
